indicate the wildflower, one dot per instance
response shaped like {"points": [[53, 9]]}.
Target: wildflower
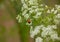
{"points": [[57, 7], [37, 15], [41, 5], [31, 11], [35, 31], [41, 9], [25, 5], [19, 18], [54, 37], [26, 16], [24, 12], [46, 6], [52, 10], [58, 16], [56, 21], [38, 39], [55, 12], [48, 11], [54, 26]]}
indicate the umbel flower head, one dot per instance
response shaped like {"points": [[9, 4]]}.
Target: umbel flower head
{"points": [[41, 19]]}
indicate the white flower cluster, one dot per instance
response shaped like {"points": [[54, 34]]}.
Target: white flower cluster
{"points": [[57, 7], [57, 19], [35, 31], [38, 39], [52, 11], [19, 18], [31, 9], [49, 30]]}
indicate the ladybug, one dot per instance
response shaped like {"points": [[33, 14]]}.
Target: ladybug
{"points": [[29, 21]]}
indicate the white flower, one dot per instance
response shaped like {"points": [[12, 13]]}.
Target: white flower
{"points": [[41, 4], [31, 32], [38, 39], [58, 16], [56, 21], [48, 30], [55, 12], [55, 36], [54, 26], [48, 11], [52, 10], [52, 32], [22, 1], [31, 2], [46, 6], [45, 31], [26, 16], [35, 31], [57, 7], [19, 18], [41, 9], [24, 12], [37, 15], [37, 9], [31, 11], [31, 29], [25, 5], [34, 6]]}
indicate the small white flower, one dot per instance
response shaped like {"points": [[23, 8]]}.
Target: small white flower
{"points": [[25, 6], [41, 9], [54, 36], [46, 6], [37, 15], [56, 21], [38, 39], [52, 10], [41, 4], [35, 31], [48, 11], [24, 12], [34, 6], [31, 29], [37, 9], [44, 33], [22, 1], [26, 16], [58, 16], [54, 26], [55, 12], [31, 11], [19, 18], [52, 32], [57, 7]]}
